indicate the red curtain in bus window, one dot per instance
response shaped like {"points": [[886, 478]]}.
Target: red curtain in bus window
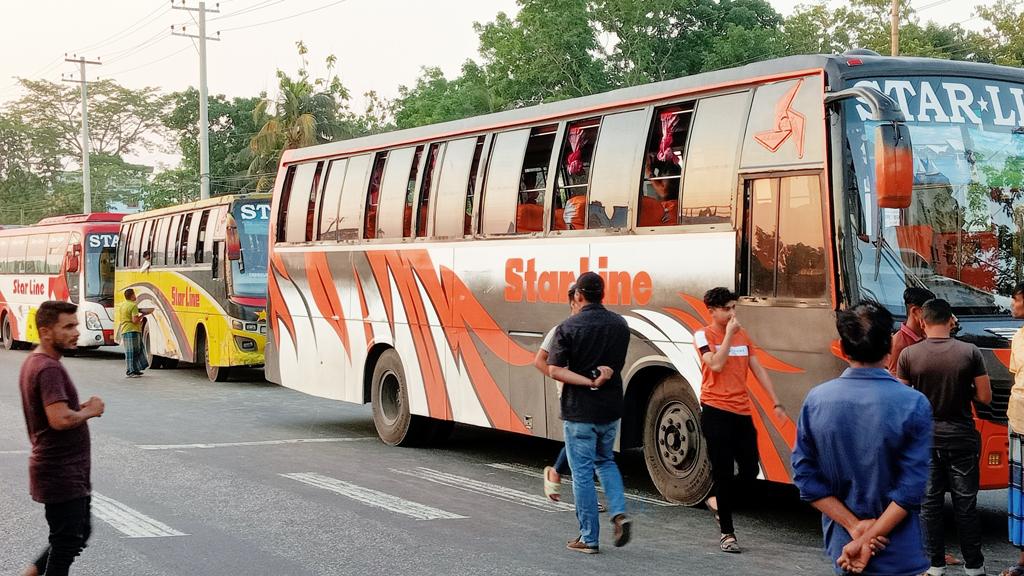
{"points": [[668, 124], [577, 138]]}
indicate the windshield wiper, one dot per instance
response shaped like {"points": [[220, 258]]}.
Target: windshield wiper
{"points": [[892, 259]]}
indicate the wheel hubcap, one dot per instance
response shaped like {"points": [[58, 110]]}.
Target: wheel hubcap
{"points": [[678, 438], [390, 397]]}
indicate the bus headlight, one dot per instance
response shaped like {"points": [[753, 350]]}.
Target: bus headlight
{"points": [[246, 344], [236, 324], [92, 321]]}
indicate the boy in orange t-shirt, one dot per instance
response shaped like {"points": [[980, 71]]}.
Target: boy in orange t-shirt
{"points": [[727, 353]]}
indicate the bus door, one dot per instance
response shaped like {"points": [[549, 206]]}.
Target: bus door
{"points": [[785, 303]]}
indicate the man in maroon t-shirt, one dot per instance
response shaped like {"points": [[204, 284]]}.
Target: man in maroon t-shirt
{"points": [[58, 468], [912, 331]]}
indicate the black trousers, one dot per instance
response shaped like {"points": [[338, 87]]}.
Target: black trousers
{"points": [[956, 472], [732, 445], [70, 526]]}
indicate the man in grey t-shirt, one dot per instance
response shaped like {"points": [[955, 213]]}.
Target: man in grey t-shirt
{"points": [[951, 374]]}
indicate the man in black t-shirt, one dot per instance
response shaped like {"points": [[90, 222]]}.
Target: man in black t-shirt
{"points": [[951, 374], [59, 466], [587, 356]]}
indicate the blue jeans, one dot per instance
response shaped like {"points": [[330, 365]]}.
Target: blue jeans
{"points": [[590, 447]]}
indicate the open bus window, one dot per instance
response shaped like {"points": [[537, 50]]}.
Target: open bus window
{"points": [[373, 196], [459, 162], [572, 185], [35, 258], [467, 220], [295, 220], [171, 239], [613, 189], [533, 180], [410, 193], [181, 255], [201, 237], [709, 175], [663, 166], [424, 201], [513, 197], [394, 199]]}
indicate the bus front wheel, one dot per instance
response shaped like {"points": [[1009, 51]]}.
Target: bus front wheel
{"points": [[214, 373], [155, 362], [674, 448], [389, 397]]}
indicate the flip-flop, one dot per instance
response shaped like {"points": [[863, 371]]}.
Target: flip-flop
{"points": [[552, 489]]}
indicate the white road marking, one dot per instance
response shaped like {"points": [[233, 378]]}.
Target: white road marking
{"points": [[131, 523], [534, 473], [535, 501], [13, 452], [373, 497], [252, 443]]}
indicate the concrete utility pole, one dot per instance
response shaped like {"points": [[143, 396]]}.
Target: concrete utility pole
{"points": [[204, 115], [86, 184], [894, 27]]}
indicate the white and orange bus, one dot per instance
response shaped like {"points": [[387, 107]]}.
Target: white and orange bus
{"points": [[418, 270], [67, 258]]}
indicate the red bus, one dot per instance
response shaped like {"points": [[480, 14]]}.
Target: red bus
{"points": [[68, 258], [418, 270]]}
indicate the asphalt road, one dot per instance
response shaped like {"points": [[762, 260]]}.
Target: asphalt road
{"points": [[198, 478]]}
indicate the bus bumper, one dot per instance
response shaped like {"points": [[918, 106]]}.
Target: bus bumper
{"points": [[993, 463]]}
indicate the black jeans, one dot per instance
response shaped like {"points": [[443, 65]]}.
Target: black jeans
{"points": [[70, 526], [732, 444], [956, 472]]}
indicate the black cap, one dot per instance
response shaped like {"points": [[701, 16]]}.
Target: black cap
{"points": [[590, 283]]}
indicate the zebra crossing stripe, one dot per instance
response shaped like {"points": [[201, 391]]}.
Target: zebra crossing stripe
{"points": [[534, 473], [373, 498], [535, 501], [127, 521]]}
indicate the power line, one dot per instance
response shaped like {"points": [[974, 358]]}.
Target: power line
{"points": [[159, 11], [256, 7], [283, 18], [152, 62], [128, 52]]}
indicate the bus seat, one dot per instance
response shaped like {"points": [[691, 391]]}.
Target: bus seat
{"points": [[558, 220], [575, 212], [651, 212], [529, 218]]}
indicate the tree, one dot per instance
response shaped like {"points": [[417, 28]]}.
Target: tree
{"points": [[306, 112], [1005, 32], [435, 99], [548, 52]]}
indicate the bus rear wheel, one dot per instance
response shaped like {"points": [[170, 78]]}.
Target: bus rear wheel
{"points": [[214, 373], [155, 362], [7, 334], [389, 396], [674, 447]]}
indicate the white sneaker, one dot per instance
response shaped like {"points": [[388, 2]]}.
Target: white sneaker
{"points": [[975, 571], [936, 571]]}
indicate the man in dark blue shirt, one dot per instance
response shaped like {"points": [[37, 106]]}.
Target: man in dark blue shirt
{"points": [[587, 356], [862, 452]]}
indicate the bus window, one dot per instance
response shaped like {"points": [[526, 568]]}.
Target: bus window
{"points": [[193, 238], [159, 241], [467, 220], [764, 208], [498, 213], [296, 214], [124, 244], [200, 245], [350, 222], [612, 187], [453, 181], [663, 173], [181, 253], [709, 179], [394, 193], [171, 246], [151, 239], [56, 248], [423, 204], [373, 196], [801, 260], [4, 243], [35, 258], [410, 193], [16, 255], [573, 181], [139, 241], [331, 199]]}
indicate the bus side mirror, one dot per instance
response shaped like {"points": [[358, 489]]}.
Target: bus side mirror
{"points": [[74, 259], [233, 246], [894, 166]]}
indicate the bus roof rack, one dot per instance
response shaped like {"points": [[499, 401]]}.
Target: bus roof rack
{"points": [[79, 218]]}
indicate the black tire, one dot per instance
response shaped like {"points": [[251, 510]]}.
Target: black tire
{"points": [[214, 373], [7, 334], [389, 397], [155, 362], [674, 447]]}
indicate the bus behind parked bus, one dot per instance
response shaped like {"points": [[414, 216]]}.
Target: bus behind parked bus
{"points": [[418, 270], [202, 268], [69, 258]]}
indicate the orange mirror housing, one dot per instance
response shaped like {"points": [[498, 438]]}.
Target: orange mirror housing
{"points": [[894, 166]]}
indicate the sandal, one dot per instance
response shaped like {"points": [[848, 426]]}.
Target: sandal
{"points": [[1017, 570], [552, 489], [728, 544]]}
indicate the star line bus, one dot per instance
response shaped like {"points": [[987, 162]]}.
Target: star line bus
{"points": [[419, 269], [69, 258], [206, 281]]}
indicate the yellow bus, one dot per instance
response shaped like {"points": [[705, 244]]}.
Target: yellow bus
{"points": [[202, 268]]}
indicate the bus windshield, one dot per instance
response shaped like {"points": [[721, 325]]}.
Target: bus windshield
{"points": [[961, 236], [249, 274], [100, 253]]}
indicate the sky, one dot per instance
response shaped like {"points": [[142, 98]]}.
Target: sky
{"points": [[380, 44]]}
